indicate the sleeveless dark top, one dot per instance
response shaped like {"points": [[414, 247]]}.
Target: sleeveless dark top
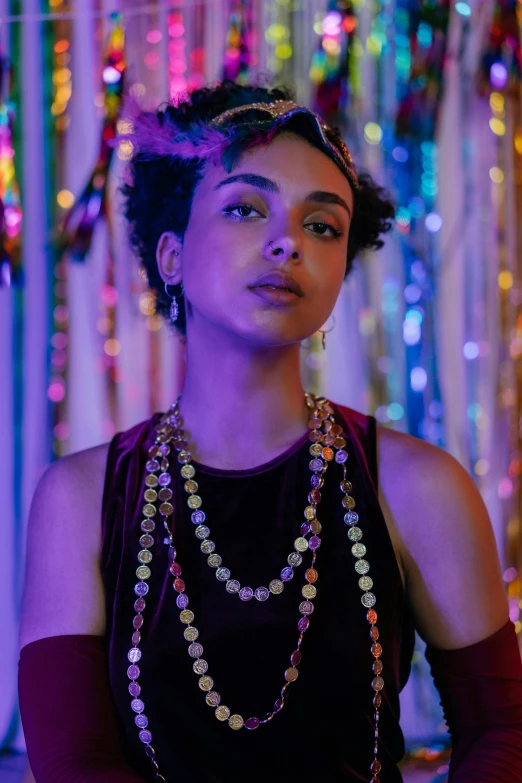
{"points": [[325, 730]]}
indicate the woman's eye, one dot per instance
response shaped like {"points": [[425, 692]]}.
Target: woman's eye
{"points": [[335, 233], [233, 207]]}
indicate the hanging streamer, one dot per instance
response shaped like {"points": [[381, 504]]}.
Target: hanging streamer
{"points": [[76, 230], [412, 160], [329, 70], [58, 45], [238, 57], [74, 236], [11, 272], [329, 76], [500, 80], [501, 67]]}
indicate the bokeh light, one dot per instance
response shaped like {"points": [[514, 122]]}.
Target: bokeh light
{"points": [[400, 154], [463, 8], [498, 75], [154, 36], [418, 379], [332, 23], [395, 411], [372, 133], [65, 199], [111, 75], [481, 467], [505, 280], [433, 222], [471, 350], [497, 126]]}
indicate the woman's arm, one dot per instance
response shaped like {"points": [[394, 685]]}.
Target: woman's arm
{"points": [[454, 585], [68, 715]]}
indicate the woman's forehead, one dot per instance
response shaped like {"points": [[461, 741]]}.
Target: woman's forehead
{"points": [[287, 162]]}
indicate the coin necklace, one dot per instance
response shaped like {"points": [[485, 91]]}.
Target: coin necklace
{"points": [[324, 434]]}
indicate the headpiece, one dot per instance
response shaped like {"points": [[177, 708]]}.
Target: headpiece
{"points": [[215, 139]]}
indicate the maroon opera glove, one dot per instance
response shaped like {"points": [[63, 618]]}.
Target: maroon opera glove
{"points": [[481, 694], [68, 714]]}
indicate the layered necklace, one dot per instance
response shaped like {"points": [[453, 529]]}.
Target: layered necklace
{"points": [[327, 446]]}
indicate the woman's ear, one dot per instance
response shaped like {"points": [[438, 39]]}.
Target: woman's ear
{"points": [[168, 257]]}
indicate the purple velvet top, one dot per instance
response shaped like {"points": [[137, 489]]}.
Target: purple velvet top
{"points": [[325, 731]]}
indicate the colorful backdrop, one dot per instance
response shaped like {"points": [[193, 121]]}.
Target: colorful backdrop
{"points": [[426, 334]]}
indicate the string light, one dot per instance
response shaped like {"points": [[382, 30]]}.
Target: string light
{"points": [[61, 80]]}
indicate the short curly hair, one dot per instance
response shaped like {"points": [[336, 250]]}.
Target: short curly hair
{"points": [[158, 193]]}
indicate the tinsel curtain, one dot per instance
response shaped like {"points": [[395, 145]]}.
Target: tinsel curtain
{"points": [[426, 334]]}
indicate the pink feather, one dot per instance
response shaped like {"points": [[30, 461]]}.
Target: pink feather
{"points": [[153, 139]]}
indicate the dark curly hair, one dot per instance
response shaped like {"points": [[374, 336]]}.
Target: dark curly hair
{"points": [[158, 194]]}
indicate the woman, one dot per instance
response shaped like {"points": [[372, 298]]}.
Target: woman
{"points": [[307, 672]]}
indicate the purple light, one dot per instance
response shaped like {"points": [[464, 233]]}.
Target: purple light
{"points": [[471, 350], [436, 409], [111, 75], [12, 216], [498, 75], [418, 379], [332, 23], [505, 488], [411, 332], [412, 293], [154, 36], [59, 340], [56, 390], [400, 154], [510, 574], [433, 222]]}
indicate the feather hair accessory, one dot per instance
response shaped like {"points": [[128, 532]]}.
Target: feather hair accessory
{"points": [[152, 138], [141, 131]]}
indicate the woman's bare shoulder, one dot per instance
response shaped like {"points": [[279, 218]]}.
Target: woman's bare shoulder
{"points": [[446, 541], [63, 549]]}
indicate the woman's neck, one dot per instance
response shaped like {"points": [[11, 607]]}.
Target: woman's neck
{"points": [[241, 408]]}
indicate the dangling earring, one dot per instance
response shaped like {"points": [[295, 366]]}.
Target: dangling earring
{"points": [[174, 309], [323, 339]]}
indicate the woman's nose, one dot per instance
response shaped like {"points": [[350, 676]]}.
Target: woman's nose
{"points": [[283, 248]]}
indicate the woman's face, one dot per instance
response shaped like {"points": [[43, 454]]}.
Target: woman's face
{"points": [[226, 248]]}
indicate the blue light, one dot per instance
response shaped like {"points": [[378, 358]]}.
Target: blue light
{"points": [[416, 207], [428, 148], [402, 41], [429, 189], [463, 9], [390, 286], [395, 411], [414, 315], [474, 411], [424, 35]]}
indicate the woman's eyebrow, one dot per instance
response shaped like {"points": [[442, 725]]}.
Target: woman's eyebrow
{"points": [[258, 181]]}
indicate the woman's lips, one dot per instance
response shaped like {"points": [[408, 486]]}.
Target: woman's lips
{"points": [[275, 295]]}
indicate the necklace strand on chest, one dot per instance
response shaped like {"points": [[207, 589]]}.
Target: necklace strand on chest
{"points": [[327, 445]]}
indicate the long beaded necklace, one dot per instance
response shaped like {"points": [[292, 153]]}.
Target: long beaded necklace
{"points": [[327, 445]]}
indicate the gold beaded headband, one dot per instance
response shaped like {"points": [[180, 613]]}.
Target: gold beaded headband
{"points": [[281, 111], [151, 135]]}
